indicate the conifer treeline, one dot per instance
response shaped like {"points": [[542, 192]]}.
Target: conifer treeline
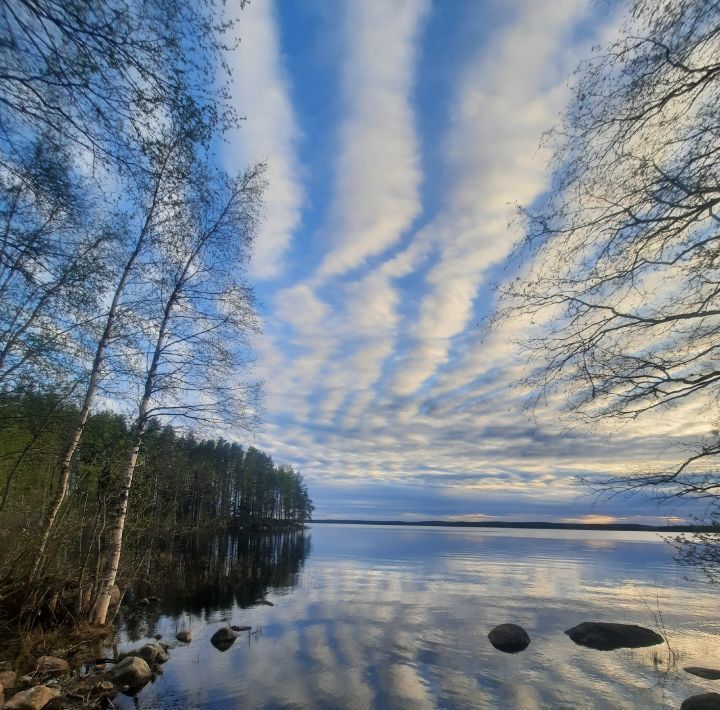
{"points": [[182, 481]]}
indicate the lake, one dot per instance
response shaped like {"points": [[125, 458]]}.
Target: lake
{"points": [[397, 617]]}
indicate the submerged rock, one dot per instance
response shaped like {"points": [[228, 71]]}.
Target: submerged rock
{"points": [[223, 638], [185, 636], [707, 673], [132, 671], [241, 628], [52, 664], [604, 636], [509, 638], [704, 701], [265, 602], [34, 699]]}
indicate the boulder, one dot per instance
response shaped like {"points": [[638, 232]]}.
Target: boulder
{"points": [[509, 638], [150, 653], [8, 679], [185, 636], [33, 699], [223, 638], [52, 664], [707, 673], [132, 671], [704, 701], [603, 636]]}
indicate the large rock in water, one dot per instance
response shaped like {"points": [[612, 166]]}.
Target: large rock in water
{"points": [[705, 701], [707, 673], [604, 636], [132, 671], [223, 638], [509, 638], [34, 699], [185, 636]]}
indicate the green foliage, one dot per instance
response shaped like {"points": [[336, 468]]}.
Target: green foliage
{"points": [[181, 481]]}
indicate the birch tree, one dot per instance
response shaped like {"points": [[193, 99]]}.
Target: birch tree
{"points": [[198, 334]]}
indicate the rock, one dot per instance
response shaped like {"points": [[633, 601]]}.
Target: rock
{"points": [[157, 637], [223, 638], [150, 653], [705, 701], [34, 699], [132, 671], [8, 679], [185, 636], [265, 602], [509, 638], [53, 704], [52, 664], [603, 636], [241, 628], [143, 602], [153, 600], [707, 673]]}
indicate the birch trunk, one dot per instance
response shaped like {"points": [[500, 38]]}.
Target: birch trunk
{"points": [[100, 610], [95, 371]]}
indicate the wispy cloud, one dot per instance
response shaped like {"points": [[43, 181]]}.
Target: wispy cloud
{"points": [[269, 131], [377, 172]]}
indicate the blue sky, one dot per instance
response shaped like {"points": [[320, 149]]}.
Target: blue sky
{"points": [[400, 134]]}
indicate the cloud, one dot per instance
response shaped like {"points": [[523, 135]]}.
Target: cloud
{"points": [[380, 387], [509, 94], [377, 172], [269, 132]]}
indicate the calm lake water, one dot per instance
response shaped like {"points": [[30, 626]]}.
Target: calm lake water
{"points": [[388, 617]]}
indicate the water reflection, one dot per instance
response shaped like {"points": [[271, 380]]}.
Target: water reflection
{"points": [[398, 618]]}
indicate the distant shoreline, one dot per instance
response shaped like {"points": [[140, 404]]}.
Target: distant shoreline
{"points": [[627, 527]]}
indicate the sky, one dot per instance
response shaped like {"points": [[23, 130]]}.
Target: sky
{"points": [[400, 136]]}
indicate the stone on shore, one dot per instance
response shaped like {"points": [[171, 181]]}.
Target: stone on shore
{"points": [[133, 671], [509, 638], [52, 664], [604, 636], [185, 636], [704, 701], [8, 679], [707, 673], [150, 653], [33, 699]]}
